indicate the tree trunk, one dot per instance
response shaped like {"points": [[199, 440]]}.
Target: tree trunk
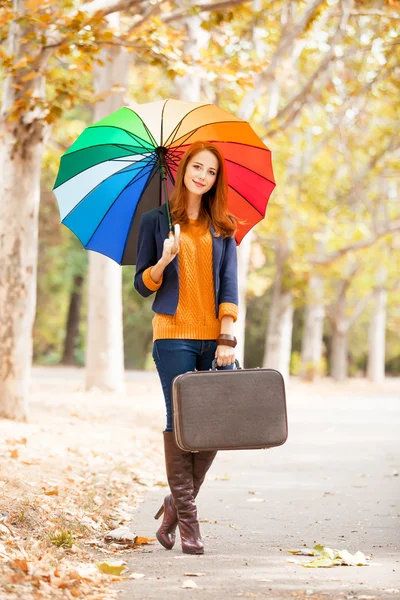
{"points": [[311, 345], [73, 320], [104, 344], [339, 352], [243, 254], [376, 337], [244, 250], [197, 38], [21, 154], [278, 342], [22, 144]]}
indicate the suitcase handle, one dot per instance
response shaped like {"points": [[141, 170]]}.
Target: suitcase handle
{"points": [[214, 365]]}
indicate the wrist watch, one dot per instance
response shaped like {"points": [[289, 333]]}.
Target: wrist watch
{"points": [[224, 339]]}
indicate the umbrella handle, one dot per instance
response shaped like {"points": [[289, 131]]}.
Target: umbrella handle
{"points": [[163, 170]]}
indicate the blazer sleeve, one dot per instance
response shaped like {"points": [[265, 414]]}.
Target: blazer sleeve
{"points": [[146, 258], [229, 296]]}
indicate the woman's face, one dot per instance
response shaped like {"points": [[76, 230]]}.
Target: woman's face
{"points": [[201, 172]]}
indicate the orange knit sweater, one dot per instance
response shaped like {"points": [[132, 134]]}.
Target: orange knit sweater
{"points": [[195, 317]]}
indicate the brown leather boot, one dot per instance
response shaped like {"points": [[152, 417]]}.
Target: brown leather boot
{"points": [[202, 461], [166, 532], [179, 467]]}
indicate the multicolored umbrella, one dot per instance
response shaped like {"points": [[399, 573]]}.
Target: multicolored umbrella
{"points": [[125, 165]]}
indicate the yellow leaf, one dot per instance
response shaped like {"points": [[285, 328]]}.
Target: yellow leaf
{"points": [[29, 76], [111, 566], [53, 492], [33, 5]]}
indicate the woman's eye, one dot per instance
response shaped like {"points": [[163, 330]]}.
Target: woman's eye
{"points": [[197, 166]]}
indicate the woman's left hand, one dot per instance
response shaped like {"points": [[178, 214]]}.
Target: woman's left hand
{"points": [[225, 355]]}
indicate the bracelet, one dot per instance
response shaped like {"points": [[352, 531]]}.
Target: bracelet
{"points": [[224, 339]]}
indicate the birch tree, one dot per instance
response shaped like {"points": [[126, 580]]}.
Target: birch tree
{"points": [[104, 343], [35, 32]]}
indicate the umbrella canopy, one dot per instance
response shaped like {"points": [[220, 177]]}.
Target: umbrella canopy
{"points": [[114, 171]]}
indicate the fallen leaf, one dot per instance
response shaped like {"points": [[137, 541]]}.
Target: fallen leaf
{"points": [[121, 535], [140, 541], [303, 552], [194, 574], [322, 562], [20, 563], [51, 492], [14, 453], [22, 440], [112, 566], [327, 557], [189, 584]]}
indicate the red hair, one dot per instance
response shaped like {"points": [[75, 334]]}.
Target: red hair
{"points": [[214, 203]]}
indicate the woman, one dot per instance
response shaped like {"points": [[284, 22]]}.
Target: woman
{"points": [[196, 305]]}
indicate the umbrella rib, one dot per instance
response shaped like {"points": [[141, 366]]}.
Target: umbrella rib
{"points": [[170, 173], [86, 195], [162, 122], [265, 149], [193, 131], [248, 202], [248, 169], [112, 204], [144, 125], [135, 138], [172, 160], [102, 161], [244, 167], [174, 131], [153, 172]]}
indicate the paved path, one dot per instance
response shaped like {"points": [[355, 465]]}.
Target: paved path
{"points": [[335, 482]]}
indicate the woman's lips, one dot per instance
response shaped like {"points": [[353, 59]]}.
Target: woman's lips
{"points": [[199, 184]]}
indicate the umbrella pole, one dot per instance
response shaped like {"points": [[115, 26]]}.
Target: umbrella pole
{"points": [[163, 170]]}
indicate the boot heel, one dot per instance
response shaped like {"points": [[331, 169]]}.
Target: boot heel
{"points": [[159, 512]]}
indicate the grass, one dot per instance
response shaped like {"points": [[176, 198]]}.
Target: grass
{"points": [[62, 538]]}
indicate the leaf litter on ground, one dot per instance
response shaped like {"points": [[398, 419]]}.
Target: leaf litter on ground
{"points": [[327, 557], [66, 485]]}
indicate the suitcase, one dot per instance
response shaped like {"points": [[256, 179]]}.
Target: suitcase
{"points": [[238, 409]]}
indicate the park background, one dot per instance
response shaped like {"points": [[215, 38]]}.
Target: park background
{"points": [[318, 81], [319, 286]]}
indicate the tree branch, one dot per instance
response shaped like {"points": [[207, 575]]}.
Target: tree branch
{"points": [[392, 228], [374, 13], [359, 308], [297, 102], [181, 13], [249, 102], [151, 11], [106, 7]]}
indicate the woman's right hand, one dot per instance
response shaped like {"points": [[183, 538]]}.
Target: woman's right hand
{"points": [[171, 246]]}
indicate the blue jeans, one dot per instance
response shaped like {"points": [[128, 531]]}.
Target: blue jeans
{"points": [[174, 357]]}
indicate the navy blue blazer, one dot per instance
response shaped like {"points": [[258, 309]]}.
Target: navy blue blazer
{"points": [[153, 230]]}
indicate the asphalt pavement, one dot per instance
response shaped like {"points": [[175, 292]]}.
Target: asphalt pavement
{"points": [[335, 482]]}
